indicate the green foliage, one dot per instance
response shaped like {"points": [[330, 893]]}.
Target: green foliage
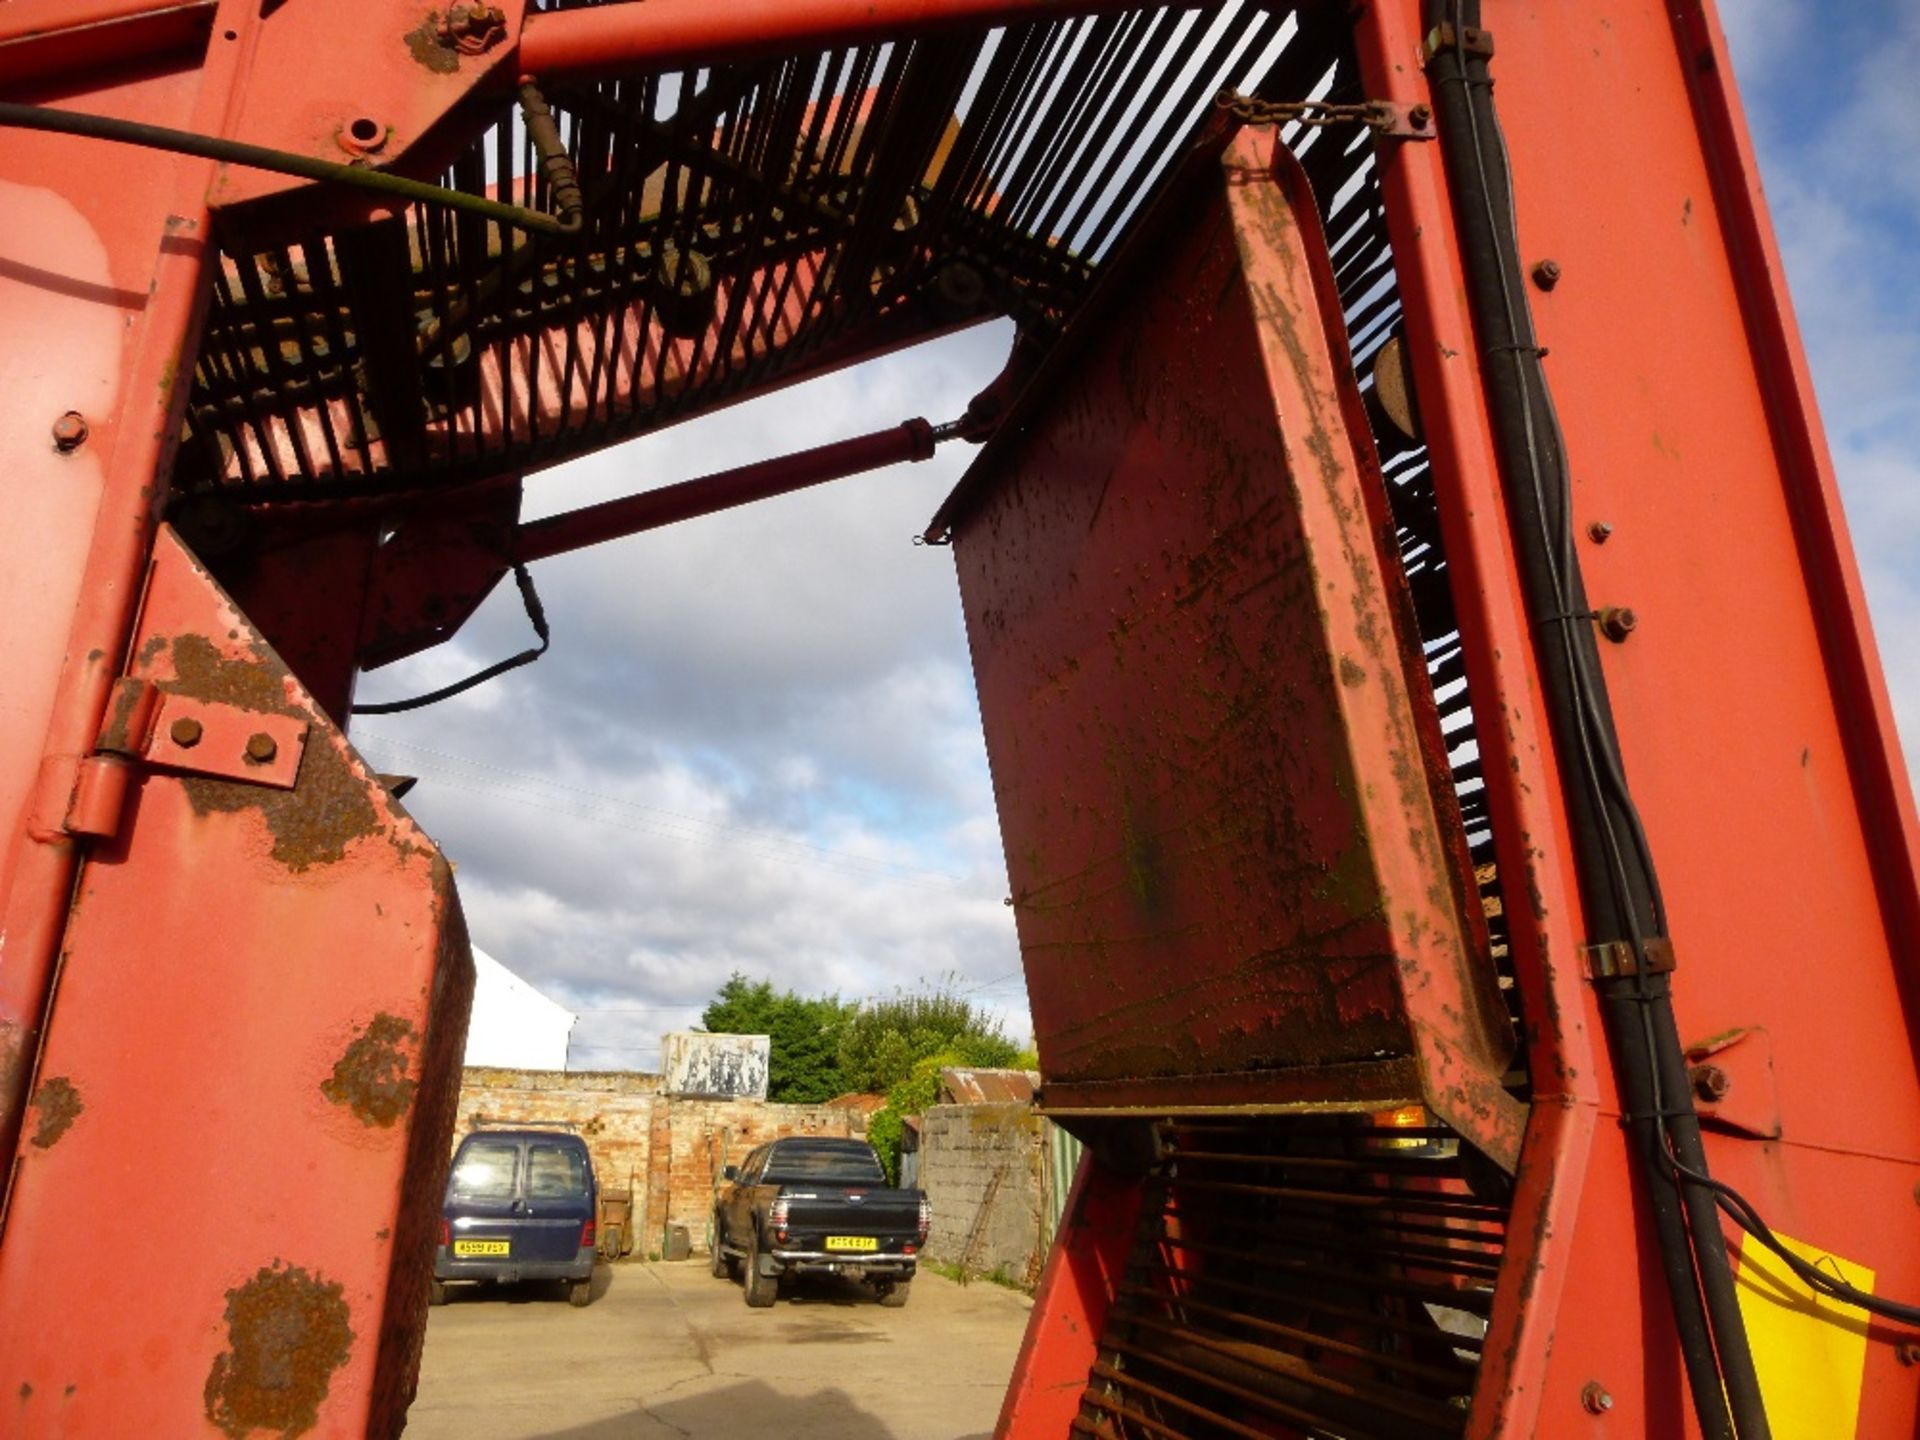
{"points": [[882, 1043], [803, 1065], [910, 1095]]}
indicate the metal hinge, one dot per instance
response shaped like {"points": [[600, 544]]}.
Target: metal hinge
{"points": [[182, 734], [1614, 959]]}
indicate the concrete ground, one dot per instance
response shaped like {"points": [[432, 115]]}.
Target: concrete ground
{"points": [[668, 1351]]}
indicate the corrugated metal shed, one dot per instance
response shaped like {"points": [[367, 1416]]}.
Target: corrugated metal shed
{"points": [[961, 1086]]}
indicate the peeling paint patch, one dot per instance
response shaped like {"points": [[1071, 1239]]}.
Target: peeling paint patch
{"points": [[374, 1078], [59, 1105], [287, 1332], [423, 43]]}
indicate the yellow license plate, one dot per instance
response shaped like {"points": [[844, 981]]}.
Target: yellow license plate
{"points": [[852, 1242], [482, 1247]]}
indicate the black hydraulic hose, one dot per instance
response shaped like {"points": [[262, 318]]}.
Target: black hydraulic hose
{"points": [[1615, 869], [566, 191]]}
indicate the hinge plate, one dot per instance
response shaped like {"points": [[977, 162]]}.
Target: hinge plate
{"points": [[202, 737]]}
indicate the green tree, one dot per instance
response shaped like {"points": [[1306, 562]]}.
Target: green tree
{"points": [[882, 1043], [803, 1036], [910, 1095]]}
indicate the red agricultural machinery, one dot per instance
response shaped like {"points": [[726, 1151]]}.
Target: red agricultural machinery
{"points": [[1463, 865]]}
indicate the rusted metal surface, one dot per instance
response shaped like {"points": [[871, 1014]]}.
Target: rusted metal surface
{"points": [[287, 1333], [374, 1078], [1194, 658], [56, 1105], [966, 1086], [263, 1002]]}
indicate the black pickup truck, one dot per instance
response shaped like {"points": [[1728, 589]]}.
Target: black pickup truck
{"points": [[803, 1204]]}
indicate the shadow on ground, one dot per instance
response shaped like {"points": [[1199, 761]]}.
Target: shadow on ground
{"points": [[749, 1408]]}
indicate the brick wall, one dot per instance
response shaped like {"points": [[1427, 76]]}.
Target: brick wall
{"points": [[963, 1148], [672, 1148]]}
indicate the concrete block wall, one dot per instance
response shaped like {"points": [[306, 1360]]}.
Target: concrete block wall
{"points": [[962, 1149], [669, 1149]]}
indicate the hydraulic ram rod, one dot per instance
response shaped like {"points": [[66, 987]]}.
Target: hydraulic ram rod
{"points": [[649, 510]]}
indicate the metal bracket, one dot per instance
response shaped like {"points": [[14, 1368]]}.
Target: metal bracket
{"points": [[1470, 39], [1391, 120], [1614, 959], [202, 737]]}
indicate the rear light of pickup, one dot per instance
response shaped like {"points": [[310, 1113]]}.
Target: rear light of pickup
{"points": [[446, 1232], [777, 1218], [926, 1218], [587, 1233]]}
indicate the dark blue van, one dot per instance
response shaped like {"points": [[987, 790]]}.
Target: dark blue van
{"points": [[520, 1206]]}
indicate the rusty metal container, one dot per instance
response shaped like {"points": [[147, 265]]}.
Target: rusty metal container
{"points": [[1236, 861]]}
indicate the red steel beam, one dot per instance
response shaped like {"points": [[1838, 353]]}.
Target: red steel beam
{"points": [[662, 33], [670, 504]]}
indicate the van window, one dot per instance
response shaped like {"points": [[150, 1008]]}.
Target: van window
{"points": [[486, 1169], [555, 1171]]}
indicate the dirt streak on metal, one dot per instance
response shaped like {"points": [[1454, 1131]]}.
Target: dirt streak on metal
{"points": [[59, 1105], [374, 1077], [287, 1332], [329, 807]]}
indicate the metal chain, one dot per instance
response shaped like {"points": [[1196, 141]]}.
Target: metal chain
{"points": [[1251, 111]]}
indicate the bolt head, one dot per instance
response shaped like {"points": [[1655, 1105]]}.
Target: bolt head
{"points": [[186, 732], [70, 431], [1617, 622], [1710, 1082], [1907, 1353], [1420, 116], [1547, 274], [1598, 531], [261, 748], [1595, 1399]]}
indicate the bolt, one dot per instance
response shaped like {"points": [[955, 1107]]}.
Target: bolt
{"points": [[1420, 116], [1547, 274], [69, 432], [1594, 1396], [1710, 1082], [260, 748], [1617, 622], [1907, 1353], [474, 29], [1599, 530], [186, 732]]}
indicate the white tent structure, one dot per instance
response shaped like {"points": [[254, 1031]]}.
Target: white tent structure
{"points": [[514, 1026]]}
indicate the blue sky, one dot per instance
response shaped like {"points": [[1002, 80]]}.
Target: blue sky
{"points": [[755, 745]]}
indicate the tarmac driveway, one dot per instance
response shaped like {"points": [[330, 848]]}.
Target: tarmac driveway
{"points": [[668, 1351]]}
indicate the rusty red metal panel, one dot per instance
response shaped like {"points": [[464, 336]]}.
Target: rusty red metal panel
{"points": [[1752, 714], [248, 1081], [1235, 877], [962, 1085], [1084, 1269]]}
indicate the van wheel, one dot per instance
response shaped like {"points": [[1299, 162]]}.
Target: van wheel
{"points": [[762, 1290], [894, 1293], [580, 1293], [436, 1292]]}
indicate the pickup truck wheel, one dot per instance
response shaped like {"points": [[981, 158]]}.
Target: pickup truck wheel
{"points": [[580, 1293], [762, 1290], [894, 1293], [719, 1264], [436, 1292]]}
